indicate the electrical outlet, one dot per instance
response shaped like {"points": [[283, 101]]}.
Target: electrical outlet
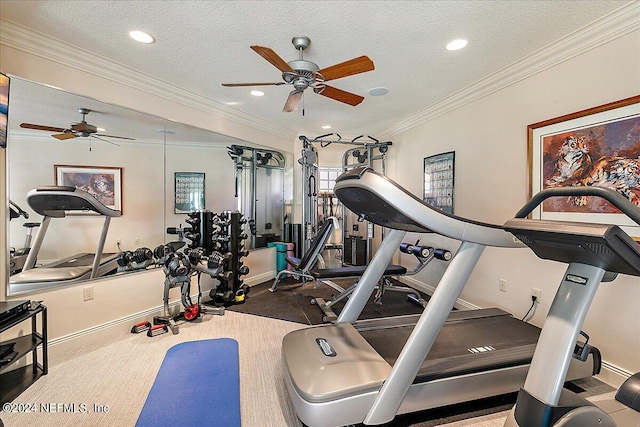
{"points": [[88, 293], [137, 241], [502, 285], [118, 241], [535, 292]]}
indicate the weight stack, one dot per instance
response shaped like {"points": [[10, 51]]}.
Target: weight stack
{"points": [[297, 238]]}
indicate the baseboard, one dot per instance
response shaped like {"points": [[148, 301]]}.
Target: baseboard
{"points": [[613, 375], [85, 336], [260, 278], [429, 290], [79, 338]]}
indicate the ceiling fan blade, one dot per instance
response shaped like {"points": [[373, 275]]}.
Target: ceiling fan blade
{"points": [[353, 66], [292, 101], [106, 140], [252, 84], [40, 127], [340, 95], [63, 136], [112, 136], [273, 58]]}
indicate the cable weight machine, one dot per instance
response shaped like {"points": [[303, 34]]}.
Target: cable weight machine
{"points": [[367, 151], [259, 190], [309, 162]]}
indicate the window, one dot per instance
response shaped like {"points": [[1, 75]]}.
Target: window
{"points": [[327, 178]]}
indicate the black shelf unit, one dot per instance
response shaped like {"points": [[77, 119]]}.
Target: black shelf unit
{"points": [[14, 382]]}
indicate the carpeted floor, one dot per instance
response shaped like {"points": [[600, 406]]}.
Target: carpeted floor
{"points": [[118, 370], [292, 302]]}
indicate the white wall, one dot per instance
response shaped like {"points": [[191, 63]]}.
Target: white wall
{"points": [[489, 137]]}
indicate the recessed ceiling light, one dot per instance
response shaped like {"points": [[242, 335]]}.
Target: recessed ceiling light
{"points": [[457, 44], [232, 103], [257, 93], [142, 37], [326, 127], [101, 130], [378, 91]]}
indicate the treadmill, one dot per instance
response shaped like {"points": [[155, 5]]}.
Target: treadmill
{"points": [[56, 202], [369, 371], [595, 253]]}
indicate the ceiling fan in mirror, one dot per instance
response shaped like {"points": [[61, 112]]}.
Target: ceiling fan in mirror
{"points": [[81, 129], [302, 74]]}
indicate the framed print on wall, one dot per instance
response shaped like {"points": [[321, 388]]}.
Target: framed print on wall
{"points": [[189, 192], [439, 180], [599, 146], [103, 183]]}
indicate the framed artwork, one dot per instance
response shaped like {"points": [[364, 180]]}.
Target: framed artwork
{"points": [[599, 146], [189, 192], [4, 108], [103, 183], [439, 181]]}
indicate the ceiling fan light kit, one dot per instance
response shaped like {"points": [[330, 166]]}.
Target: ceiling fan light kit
{"points": [[302, 74]]}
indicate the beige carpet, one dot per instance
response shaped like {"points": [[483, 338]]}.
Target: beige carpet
{"points": [[118, 371]]}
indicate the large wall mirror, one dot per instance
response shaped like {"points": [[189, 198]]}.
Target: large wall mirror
{"points": [[151, 169]]}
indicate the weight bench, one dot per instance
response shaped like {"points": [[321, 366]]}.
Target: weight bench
{"points": [[327, 275], [424, 255], [302, 267]]}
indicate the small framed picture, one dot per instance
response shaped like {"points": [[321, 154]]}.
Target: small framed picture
{"points": [[189, 192], [438, 181]]}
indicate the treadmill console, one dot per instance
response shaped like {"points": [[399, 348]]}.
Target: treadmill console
{"points": [[604, 246], [601, 245]]}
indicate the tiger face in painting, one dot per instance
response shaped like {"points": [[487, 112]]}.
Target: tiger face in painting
{"points": [[575, 166], [573, 162]]}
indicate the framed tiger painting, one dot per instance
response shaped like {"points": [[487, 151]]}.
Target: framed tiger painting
{"points": [[599, 146], [102, 182]]}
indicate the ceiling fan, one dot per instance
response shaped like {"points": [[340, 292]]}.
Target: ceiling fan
{"points": [[302, 74], [76, 130]]}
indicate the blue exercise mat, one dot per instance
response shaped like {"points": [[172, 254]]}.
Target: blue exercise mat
{"points": [[198, 383]]}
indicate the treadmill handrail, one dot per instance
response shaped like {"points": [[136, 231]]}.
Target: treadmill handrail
{"points": [[54, 201], [421, 214], [612, 196]]}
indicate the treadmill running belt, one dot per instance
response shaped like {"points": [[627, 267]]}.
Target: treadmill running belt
{"points": [[81, 260], [464, 347]]}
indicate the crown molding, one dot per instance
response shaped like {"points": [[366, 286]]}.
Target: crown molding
{"points": [[41, 45], [610, 27]]}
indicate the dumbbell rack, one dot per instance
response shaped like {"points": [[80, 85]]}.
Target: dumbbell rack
{"points": [[223, 233]]}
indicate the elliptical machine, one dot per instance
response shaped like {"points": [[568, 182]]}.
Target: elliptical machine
{"points": [[595, 253]]}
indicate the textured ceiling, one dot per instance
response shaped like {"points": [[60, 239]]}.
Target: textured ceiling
{"points": [[201, 44]]}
